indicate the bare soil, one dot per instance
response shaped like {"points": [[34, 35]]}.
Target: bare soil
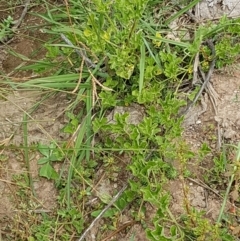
{"points": [[44, 124]]}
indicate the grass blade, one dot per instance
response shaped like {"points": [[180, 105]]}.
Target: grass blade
{"points": [[182, 11], [88, 123], [142, 67], [26, 149], [72, 167], [169, 41], [155, 57]]}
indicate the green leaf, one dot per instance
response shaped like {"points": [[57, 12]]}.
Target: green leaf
{"points": [[70, 115], [31, 238], [48, 171], [69, 128], [96, 213], [43, 160], [108, 99], [75, 122], [109, 213], [121, 203], [173, 231], [44, 150], [100, 124], [158, 233], [55, 157]]}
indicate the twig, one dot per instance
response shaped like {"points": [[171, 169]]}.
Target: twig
{"points": [[80, 77], [131, 223], [18, 22], [207, 78], [80, 52], [219, 137], [94, 88], [195, 69], [115, 198], [24, 12], [200, 183], [215, 96], [209, 74], [211, 92], [97, 82]]}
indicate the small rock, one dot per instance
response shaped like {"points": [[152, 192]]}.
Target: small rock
{"points": [[135, 111], [198, 122]]}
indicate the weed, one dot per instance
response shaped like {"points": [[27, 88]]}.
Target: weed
{"points": [[51, 154], [5, 28]]}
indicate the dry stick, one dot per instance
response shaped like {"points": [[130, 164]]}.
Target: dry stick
{"points": [[195, 69], [18, 22], [214, 94], [94, 88], [202, 184], [24, 12], [80, 77], [119, 230], [96, 81], [219, 136], [80, 52], [208, 76], [213, 98], [115, 198], [94, 92], [211, 92]]}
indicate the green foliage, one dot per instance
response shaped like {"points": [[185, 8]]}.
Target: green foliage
{"points": [[5, 28], [42, 231], [72, 124], [48, 227], [51, 154], [159, 233], [73, 218], [137, 141], [171, 64], [202, 229], [112, 29], [227, 50]]}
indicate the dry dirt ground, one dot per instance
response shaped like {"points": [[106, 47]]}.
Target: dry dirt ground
{"points": [[44, 124], [203, 124]]}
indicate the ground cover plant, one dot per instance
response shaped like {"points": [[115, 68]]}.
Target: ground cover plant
{"points": [[109, 54]]}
